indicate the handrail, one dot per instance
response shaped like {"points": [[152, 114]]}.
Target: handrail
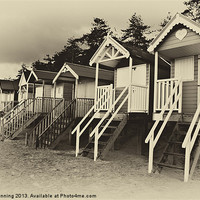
{"points": [[57, 117], [188, 144], [107, 113], [50, 134], [141, 86], [96, 131], [162, 111], [84, 118], [23, 112], [150, 137], [18, 112], [14, 108], [48, 116], [191, 127], [113, 115], [77, 128], [168, 79]]}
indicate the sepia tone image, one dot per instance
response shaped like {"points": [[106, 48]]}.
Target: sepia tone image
{"points": [[100, 99]]}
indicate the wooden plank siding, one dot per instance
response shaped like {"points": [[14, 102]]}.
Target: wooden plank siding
{"points": [[189, 104], [118, 90], [172, 42]]}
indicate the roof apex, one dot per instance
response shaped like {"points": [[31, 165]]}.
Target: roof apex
{"points": [[177, 19]]}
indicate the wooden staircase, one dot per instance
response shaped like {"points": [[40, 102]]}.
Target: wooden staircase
{"points": [[106, 142], [110, 111], [173, 155], [49, 131], [23, 114]]}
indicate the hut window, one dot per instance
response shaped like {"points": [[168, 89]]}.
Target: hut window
{"points": [[184, 68]]}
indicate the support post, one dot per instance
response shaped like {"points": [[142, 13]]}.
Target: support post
{"points": [[27, 91], [151, 147], [96, 84], [34, 97], [130, 81], [96, 145], [187, 162], [77, 140], [155, 81], [43, 84]]}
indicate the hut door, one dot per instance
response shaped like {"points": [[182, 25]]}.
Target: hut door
{"points": [[68, 92], [139, 89]]}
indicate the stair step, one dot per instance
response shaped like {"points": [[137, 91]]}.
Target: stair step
{"points": [[175, 154], [112, 127], [100, 142], [181, 132], [175, 142], [107, 134], [170, 166]]}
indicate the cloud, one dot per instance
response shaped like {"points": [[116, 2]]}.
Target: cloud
{"points": [[29, 29]]}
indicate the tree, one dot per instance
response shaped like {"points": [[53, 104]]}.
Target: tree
{"points": [[165, 20], [71, 53], [92, 40], [193, 10], [77, 50], [136, 32], [23, 69]]}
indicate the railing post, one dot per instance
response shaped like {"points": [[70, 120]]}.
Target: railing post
{"points": [[155, 81], [187, 162], [180, 101], [77, 140], [111, 97], [151, 148], [96, 144]]}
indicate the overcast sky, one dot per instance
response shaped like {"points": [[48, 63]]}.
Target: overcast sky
{"points": [[31, 29]]}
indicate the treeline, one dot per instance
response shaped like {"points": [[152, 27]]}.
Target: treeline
{"points": [[80, 50]]}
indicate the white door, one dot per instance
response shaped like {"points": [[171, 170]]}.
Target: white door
{"points": [[139, 89]]}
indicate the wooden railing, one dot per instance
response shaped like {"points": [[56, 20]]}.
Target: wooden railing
{"points": [[80, 128], [171, 103], [98, 133], [189, 141], [42, 139], [139, 98], [83, 105], [22, 112], [7, 106], [104, 97], [80, 108], [164, 89]]}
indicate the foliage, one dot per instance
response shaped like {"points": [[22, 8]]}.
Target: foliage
{"points": [[136, 32], [193, 10], [165, 20], [23, 69]]}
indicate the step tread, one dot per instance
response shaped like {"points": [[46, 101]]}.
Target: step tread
{"points": [[176, 154], [175, 142], [170, 166], [110, 126]]}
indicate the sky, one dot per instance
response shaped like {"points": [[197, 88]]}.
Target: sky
{"points": [[31, 29]]}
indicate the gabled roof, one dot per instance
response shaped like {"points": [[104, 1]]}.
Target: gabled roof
{"points": [[177, 19], [9, 85], [77, 71], [108, 41], [42, 75], [26, 74]]}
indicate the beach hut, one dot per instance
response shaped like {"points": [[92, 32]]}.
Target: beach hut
{"points": [[128, 101], [176, 99], [8, 94]]}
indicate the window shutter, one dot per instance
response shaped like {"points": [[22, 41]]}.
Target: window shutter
{"points": [[184, 68]]}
